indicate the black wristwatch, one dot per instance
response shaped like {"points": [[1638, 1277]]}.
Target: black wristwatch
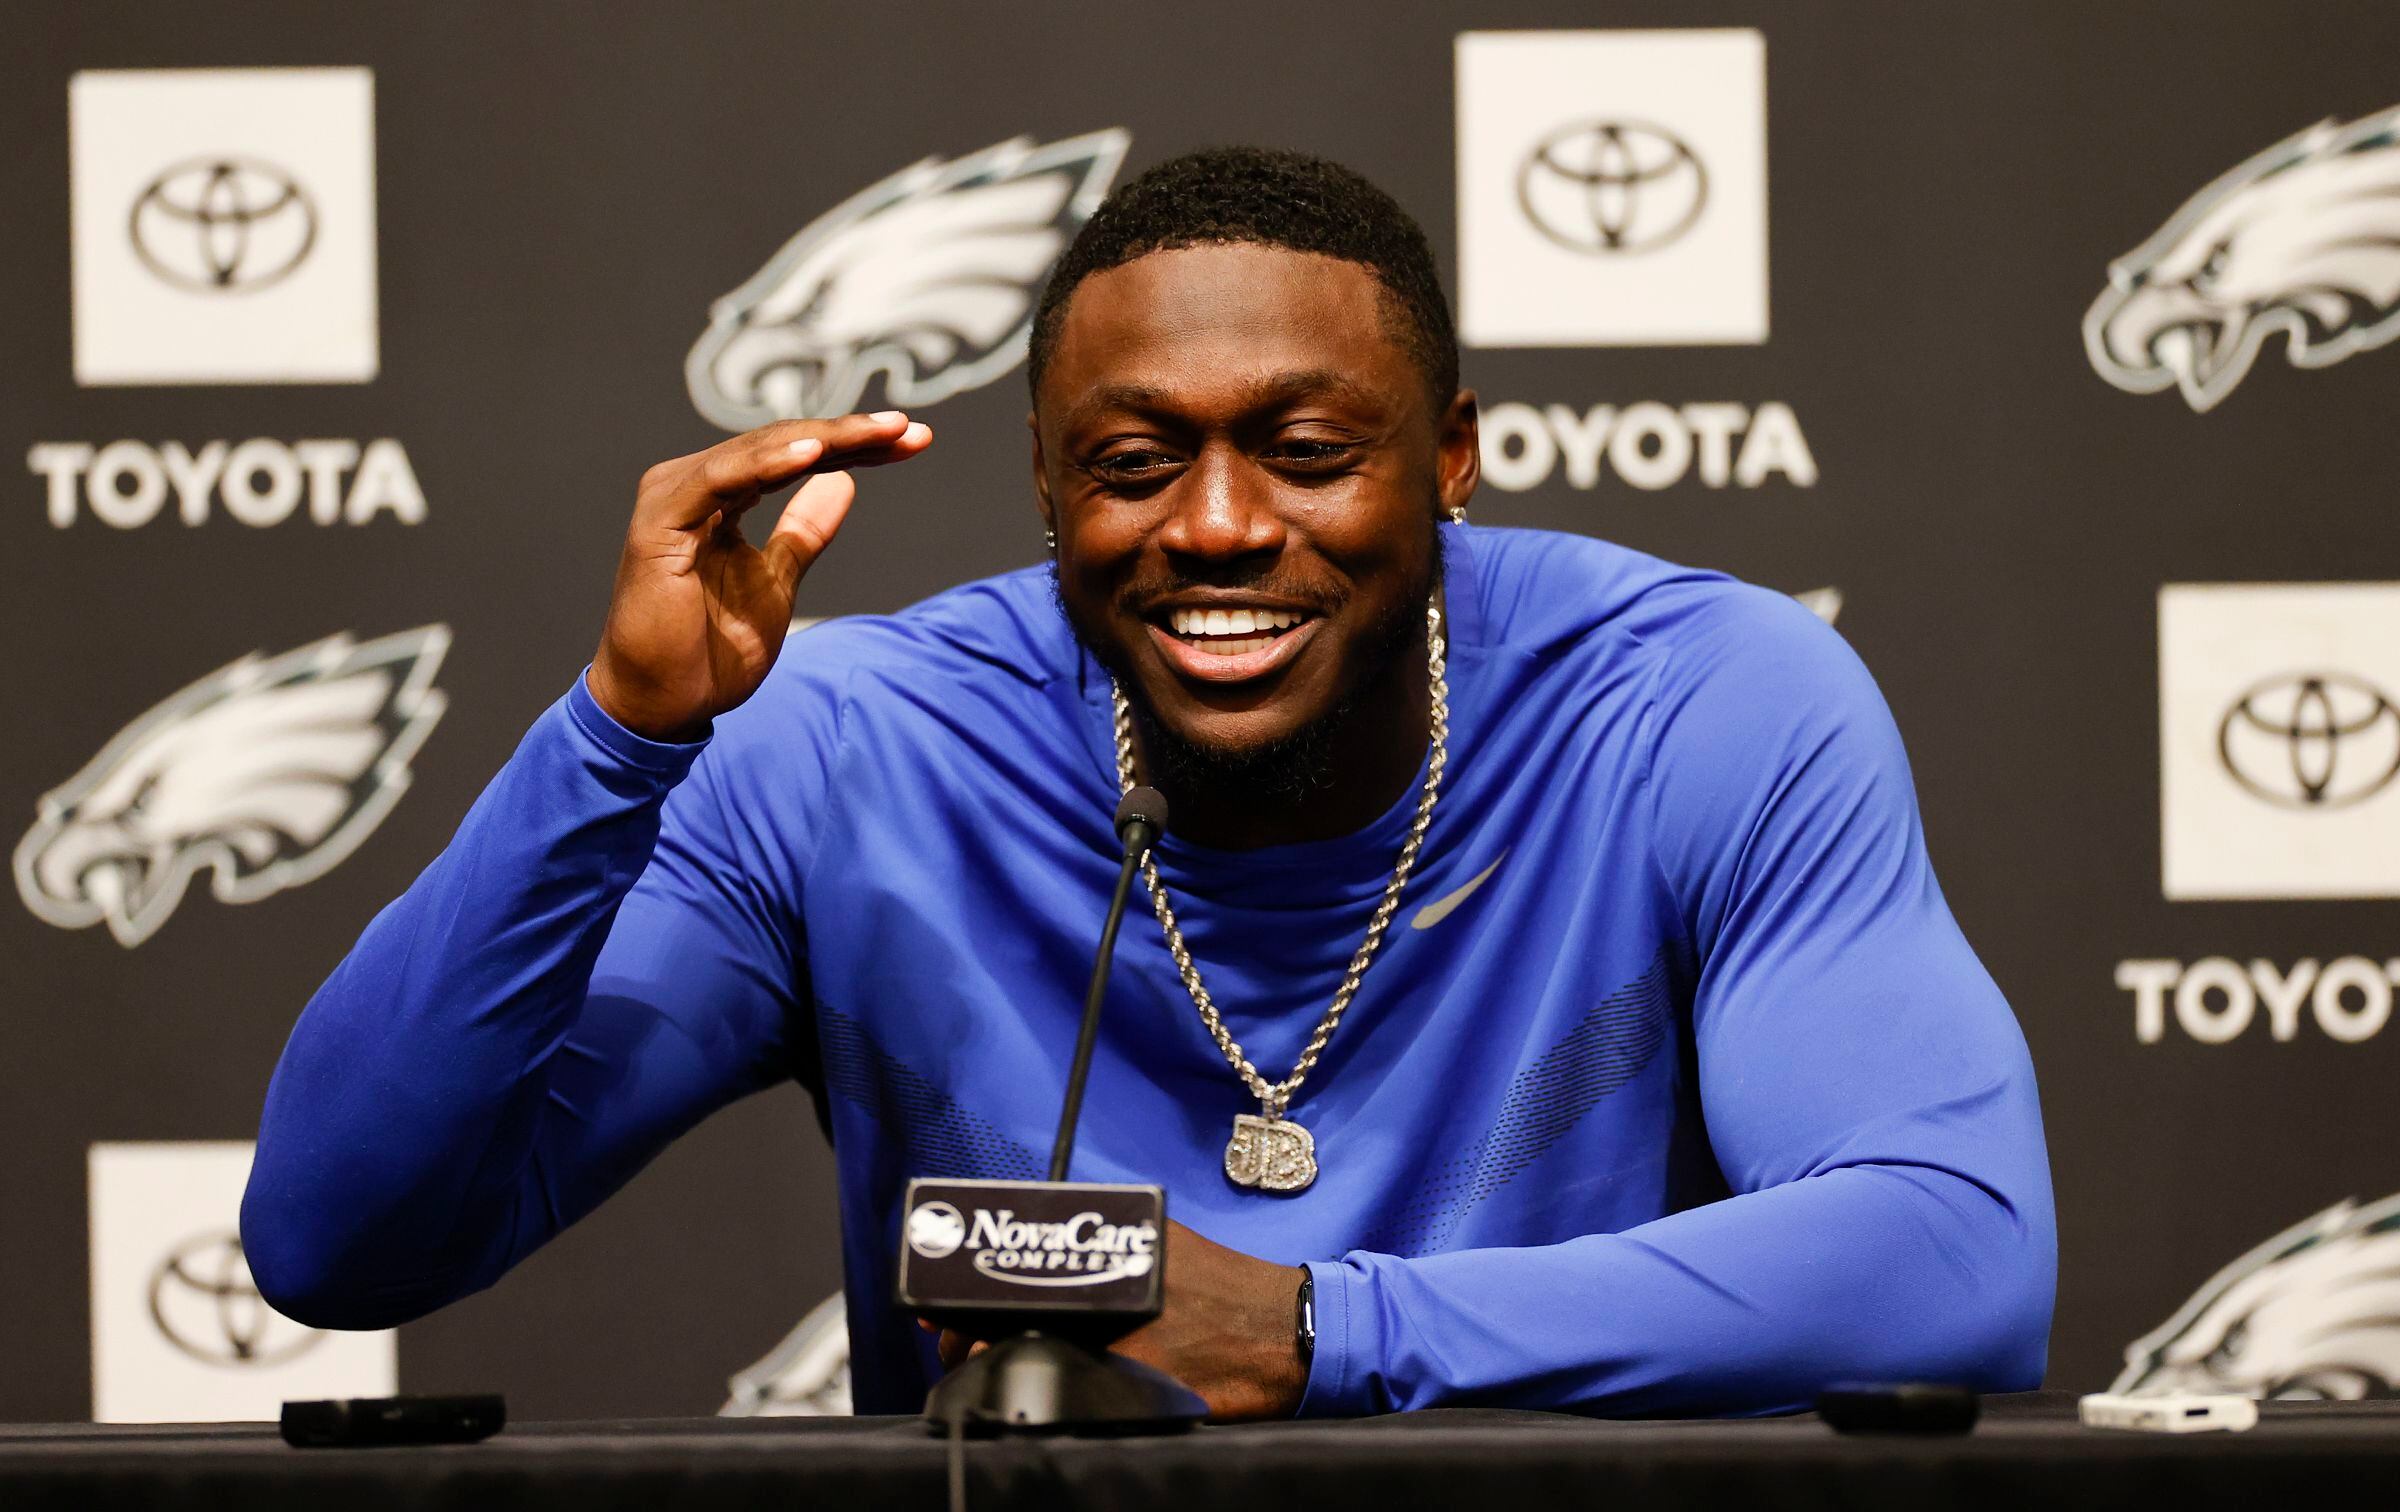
{"points": [[1304, 1330]]}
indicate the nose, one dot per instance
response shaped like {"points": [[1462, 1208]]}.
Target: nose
{"points": [[1222, 509]]}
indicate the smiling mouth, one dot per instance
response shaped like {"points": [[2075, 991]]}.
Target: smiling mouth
{"points": [[1231, 632], [1231, 645]]}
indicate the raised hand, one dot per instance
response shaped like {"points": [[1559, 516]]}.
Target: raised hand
{"points": [[699, 613]]}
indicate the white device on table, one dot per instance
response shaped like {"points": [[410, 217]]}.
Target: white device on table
{"points": [[2184, 1412]]}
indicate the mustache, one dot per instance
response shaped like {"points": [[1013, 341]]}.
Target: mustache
{"points": [[1136, 598]]}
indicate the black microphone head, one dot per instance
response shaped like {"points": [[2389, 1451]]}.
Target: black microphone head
{"points": [[1144, 805]]}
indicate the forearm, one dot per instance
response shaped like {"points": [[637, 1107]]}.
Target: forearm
{"points": [[1748, 1305], [396, 1161]]}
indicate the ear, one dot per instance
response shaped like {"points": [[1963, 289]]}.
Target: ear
{"points": [[1459, 458], [1041, 475]]}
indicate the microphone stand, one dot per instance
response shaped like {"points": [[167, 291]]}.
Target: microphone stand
{"points": [[1032, 1380], [1138, 834]]}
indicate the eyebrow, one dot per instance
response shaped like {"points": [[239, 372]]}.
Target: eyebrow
{"points": [[1271, 393]]}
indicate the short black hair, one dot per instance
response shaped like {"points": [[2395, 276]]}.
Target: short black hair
{"points": [[1265, 197]]}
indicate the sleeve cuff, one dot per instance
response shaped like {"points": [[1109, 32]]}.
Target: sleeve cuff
{"points": [[638, 751], [1329, 1366]]}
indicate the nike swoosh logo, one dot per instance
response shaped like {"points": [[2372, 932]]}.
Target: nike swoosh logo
{"points": [[1440, 908]]}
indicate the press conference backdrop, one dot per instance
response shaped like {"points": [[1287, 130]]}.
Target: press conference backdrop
{"points": [[2041, 345]]}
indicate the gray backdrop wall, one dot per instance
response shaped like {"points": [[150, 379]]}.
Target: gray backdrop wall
{"points": [[559, 192]]}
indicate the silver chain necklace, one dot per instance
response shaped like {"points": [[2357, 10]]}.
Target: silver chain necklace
{"points": [[1268, 1151]]}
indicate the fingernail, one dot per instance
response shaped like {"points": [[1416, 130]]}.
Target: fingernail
{"points": [[917, 431], [806, 446], [886, 416]]}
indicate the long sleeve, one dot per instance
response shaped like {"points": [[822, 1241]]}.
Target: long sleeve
{"points": [[1866, 1091], [596, 962]]}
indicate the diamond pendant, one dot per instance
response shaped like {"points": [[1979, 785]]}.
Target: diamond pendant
{"points": [[1270, 1154]]}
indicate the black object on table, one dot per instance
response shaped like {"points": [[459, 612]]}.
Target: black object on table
{"points": [[2027, 1451], [1898, 1407], [379, 1422]]}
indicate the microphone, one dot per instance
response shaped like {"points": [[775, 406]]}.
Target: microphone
{"points": [[1141, 818], [1051, 1271]]}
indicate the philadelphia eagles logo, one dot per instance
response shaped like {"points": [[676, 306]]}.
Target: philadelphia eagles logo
{"points": [[267, 772], [927, 278], [2313, 1313], [2303, 239]]}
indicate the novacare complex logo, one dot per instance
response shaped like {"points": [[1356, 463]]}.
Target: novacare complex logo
{"points": [[1084, 1250]]}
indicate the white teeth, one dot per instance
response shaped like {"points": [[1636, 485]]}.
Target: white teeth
{"points": [[1238, 647], [1230, 622]]}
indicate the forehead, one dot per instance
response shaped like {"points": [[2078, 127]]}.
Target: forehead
{"points": [[1197, 321]]}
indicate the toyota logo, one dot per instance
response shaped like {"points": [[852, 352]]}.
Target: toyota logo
{"points": [[2312, 740], [223, 225], [206, 1305], [1607, 187]]}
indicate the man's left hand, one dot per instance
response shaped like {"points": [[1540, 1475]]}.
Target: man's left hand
{"points": [[1227, 1330]]}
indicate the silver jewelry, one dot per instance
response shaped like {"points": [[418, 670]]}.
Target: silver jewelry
{"points": [[1050, 537], [1456, 514], [1269, 1151]]}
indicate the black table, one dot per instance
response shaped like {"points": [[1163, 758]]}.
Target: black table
{"points": [[2027, 1452]]}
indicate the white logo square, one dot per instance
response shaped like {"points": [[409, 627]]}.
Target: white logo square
{"points": [[179, 1334], [2279, 740], [223, 225], [1612, 188]]}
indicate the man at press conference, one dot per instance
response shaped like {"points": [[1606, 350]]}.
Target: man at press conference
{"points": [[1574, 904]]}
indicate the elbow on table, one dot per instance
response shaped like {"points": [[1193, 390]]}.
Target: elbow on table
{"points": [[1997, 1337], [293, 1269], [305, 1276], [1961, 1293], [2018, 1351]]}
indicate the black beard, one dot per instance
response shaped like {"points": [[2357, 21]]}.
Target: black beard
{"points": [[1283, 771]]}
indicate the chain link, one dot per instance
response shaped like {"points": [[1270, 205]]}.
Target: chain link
{"points": [[1275, 1097]]}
